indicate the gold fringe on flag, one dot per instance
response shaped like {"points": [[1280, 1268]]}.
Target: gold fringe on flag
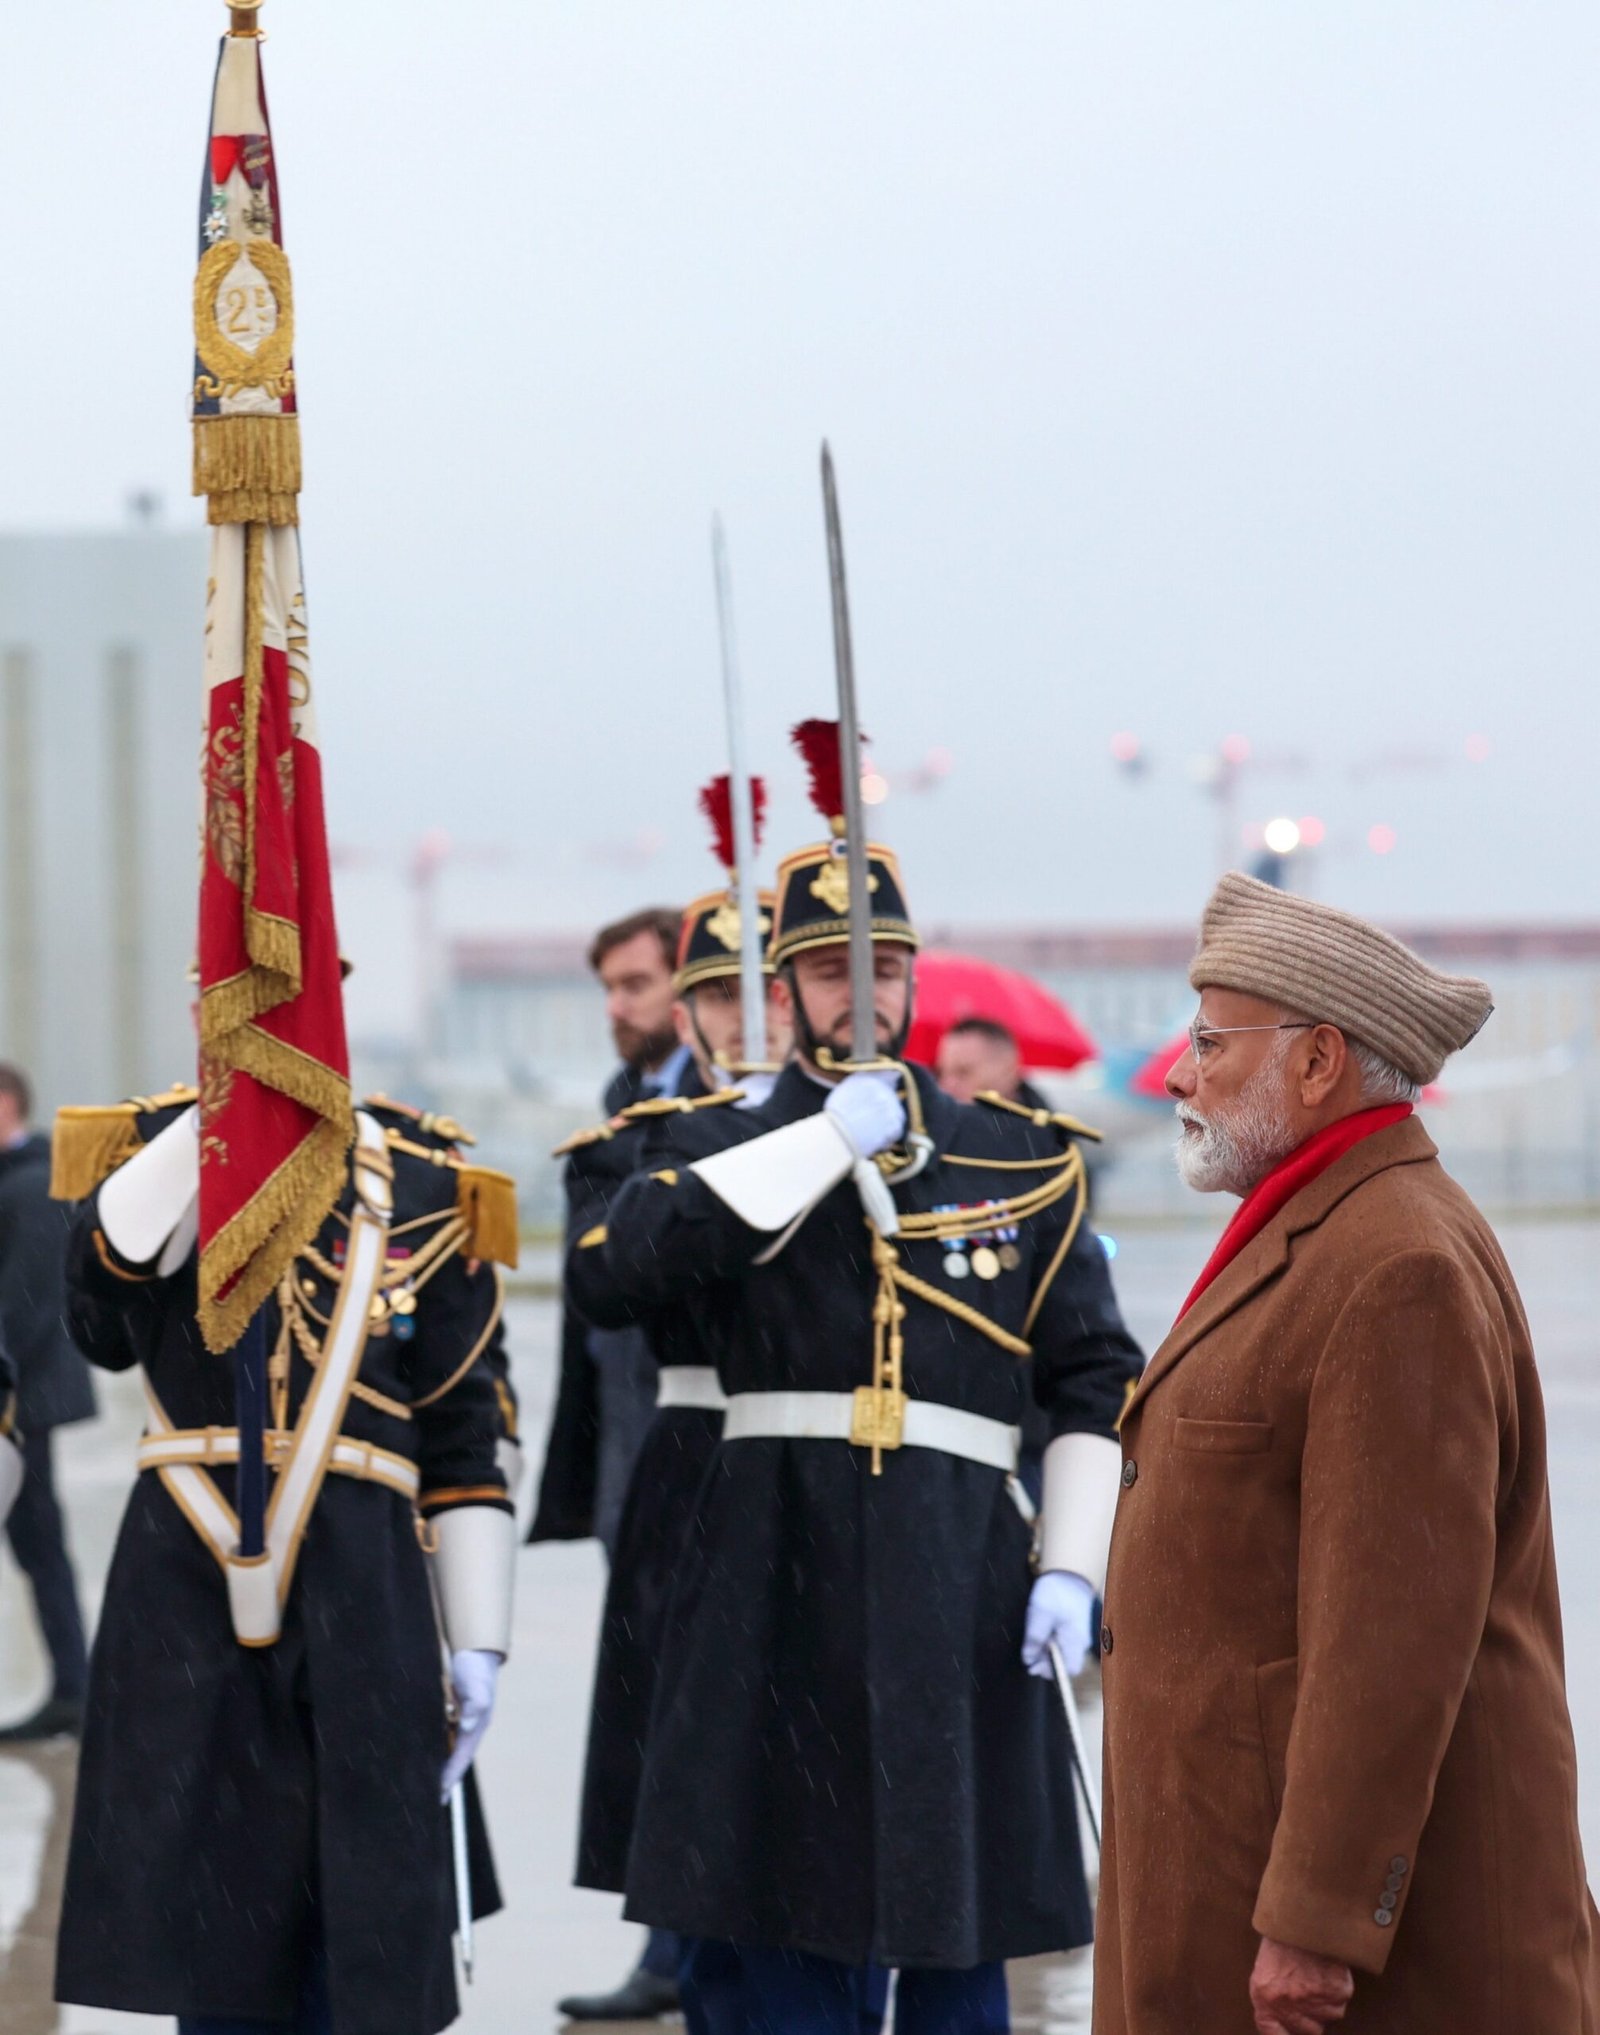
{"points": [[262, 1241], [249, 467]]}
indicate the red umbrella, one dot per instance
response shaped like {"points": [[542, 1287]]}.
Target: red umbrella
{"points": [[951, 987], [1151, 1079]]}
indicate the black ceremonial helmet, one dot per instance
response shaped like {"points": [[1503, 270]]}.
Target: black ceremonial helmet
{"points": [[708, 945], [813, 903]]}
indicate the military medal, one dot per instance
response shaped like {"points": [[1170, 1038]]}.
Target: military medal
{"points": [[1010, 1257], [986, 1262], [956, 1265]]}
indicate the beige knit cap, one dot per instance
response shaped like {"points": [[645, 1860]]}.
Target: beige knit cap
{"points": [[1339, 970]]}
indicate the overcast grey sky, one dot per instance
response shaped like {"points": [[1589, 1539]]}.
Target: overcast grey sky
{"points": [[1190, 369]]}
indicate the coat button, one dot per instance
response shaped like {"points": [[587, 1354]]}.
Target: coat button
{"points": [[1383, 1917], [1130, 1474], [1399, 1863], [1392, 1885]]}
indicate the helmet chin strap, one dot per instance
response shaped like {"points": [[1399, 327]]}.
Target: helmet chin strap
{"points": [[806, 1038]]}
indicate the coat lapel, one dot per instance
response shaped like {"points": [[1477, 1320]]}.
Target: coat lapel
{"points": [[1265, 1256]]}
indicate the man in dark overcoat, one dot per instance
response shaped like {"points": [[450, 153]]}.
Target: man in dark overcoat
{"points": [[259, 1834], [605, 1393], [53, 1391], [848, 1765]]}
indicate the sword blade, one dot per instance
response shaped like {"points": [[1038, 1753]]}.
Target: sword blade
{"points": [[863, 1022], [1080, 1754], [458, 1852], [752, 986]]}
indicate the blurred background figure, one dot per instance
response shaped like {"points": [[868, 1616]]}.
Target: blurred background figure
{"points": [[977, 1055], [606, 1396], [53, 1390], [635, 959]]}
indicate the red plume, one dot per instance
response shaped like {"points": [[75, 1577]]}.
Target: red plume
{"points": [[818, 744], [716, 802]]}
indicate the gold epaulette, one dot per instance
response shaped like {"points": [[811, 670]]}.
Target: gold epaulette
{"points": [[678, 1105], [592, 1134], [429, 1122], [641, 1112], [487, 1201], [90, 1142], [1042, 1118]]}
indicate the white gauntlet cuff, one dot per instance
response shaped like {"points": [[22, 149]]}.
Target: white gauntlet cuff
{"points": [[474, 1567], [145, 1200], [1082, 1478], [770, 1181]]}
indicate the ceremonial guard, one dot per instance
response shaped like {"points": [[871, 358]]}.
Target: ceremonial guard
{"points": [[262, 1833], [646, 1558], [259, 1833], [848, 1764]]}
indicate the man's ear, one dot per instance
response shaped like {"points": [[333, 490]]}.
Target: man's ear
{"points": [[782, 998], [1329, 1056], [682, 1023]]}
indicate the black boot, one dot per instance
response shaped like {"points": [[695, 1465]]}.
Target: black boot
{"points": [[641, 1997], [61, 1717]]}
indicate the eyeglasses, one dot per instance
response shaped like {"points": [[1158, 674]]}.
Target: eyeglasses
{"points": [[1200, 1036]]}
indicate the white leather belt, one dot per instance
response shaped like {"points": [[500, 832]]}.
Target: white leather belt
{"points": [[689, 1385], [830, 1416], [207, 1446]]}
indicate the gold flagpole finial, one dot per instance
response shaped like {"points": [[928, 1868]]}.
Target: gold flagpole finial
{"points": [[242, 18]]}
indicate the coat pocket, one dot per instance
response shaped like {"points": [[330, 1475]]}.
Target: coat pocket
{"points": [[1276, 1686], [1223, 1437]]}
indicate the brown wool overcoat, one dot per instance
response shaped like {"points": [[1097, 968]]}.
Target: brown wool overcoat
{"points": [[1334, 1694]]}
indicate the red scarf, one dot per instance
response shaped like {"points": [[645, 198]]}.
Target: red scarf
{"points": [[1279, 1187]]}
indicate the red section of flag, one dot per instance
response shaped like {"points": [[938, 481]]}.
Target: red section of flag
{"points": [[275, 1101]]}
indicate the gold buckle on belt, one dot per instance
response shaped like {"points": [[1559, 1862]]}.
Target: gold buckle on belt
{"points": [[877, 1417]]}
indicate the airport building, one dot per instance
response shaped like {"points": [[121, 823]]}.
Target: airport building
{"points": [[100, 638]]}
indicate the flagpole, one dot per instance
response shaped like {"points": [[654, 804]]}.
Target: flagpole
{"points": [[250, 1415]]}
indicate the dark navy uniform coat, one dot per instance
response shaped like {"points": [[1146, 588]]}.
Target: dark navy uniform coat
{"points": [[225, 1790], [656, 1515], [847, 1756]]}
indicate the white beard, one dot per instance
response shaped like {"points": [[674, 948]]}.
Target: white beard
{"points": [[1228, 1154]]}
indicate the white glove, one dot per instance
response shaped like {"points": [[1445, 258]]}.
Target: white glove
{"points": [[757, 1090], [1060, 1607], [866, 1109], [472, 1676]]}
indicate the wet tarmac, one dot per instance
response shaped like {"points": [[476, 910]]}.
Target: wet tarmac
{"points": [[553, 1938]]}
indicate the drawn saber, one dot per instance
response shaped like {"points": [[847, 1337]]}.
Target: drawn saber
{"points": [[461, 1865], [863, 1017], [752, 983], [463, 1872], [1080, 1754]]}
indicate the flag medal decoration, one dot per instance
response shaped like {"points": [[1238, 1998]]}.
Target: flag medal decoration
{"points": [[275, 1102]]}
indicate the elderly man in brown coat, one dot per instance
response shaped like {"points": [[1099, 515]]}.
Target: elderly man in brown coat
{"points": [[1340, 1779]]}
